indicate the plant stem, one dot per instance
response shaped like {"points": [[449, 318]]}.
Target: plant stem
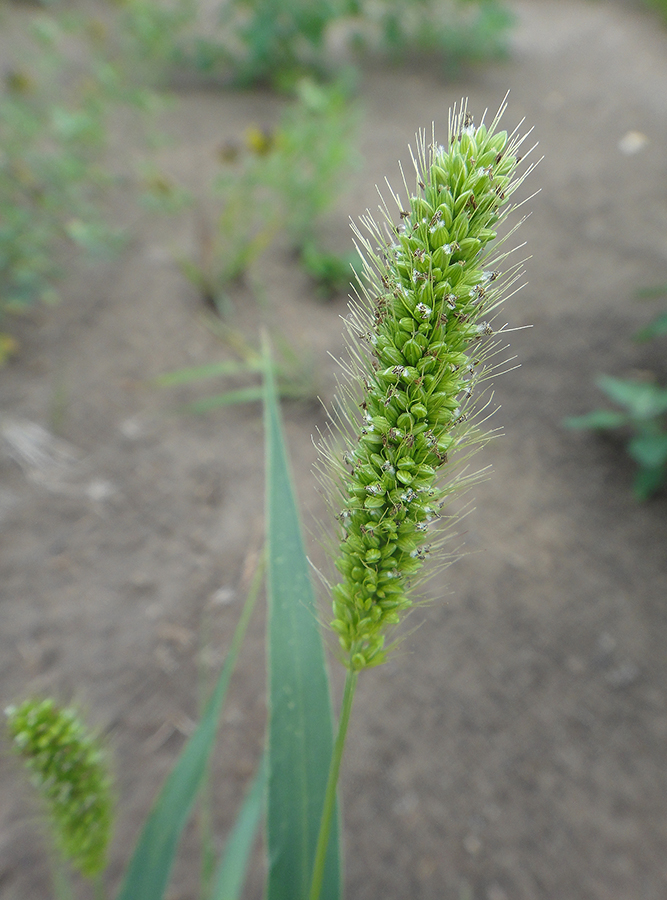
{"points": [[332, 783]]}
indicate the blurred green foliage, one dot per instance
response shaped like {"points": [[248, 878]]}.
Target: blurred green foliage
{"points": [[50, 172], [278, 183], [57, 101], [313, 148], [277, 42], [659, 5], [75, 69], [644, 415], [149, 36], [455, 32]]}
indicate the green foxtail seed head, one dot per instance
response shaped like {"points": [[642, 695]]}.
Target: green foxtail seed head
{"points": [[419, 333], [68, 769]]}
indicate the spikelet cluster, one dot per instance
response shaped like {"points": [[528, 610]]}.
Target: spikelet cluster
{"points": [[419, 338], [68, 769]]}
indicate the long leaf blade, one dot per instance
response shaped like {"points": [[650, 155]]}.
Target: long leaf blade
{"points": [[211, 370], [642, 399], [230, 876], [149, 870], [300, 724], [599, 419], [229, 398]]}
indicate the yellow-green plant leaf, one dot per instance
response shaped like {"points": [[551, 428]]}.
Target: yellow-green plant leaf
{"points": [[230, 876]]}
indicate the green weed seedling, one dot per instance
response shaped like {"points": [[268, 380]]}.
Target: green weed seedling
{"points": [[645, 416], [281, 41], [278, 41], [55, 107], [252, 42], [331, 272], [313, 150], [645, 412], [410, 412], [456, 32], [278, 183], [49, 173], [150, 37], [294, 373], [247, 222]]}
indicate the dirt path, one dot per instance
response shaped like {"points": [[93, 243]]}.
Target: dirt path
{"points": [[515, 749]]}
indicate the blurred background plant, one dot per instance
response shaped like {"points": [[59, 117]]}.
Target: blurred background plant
{"points": [[58, 102], [454, 32], [295, 372], [644, 416], [50, 173], [74, 70], [149, 37], [276, 42], [245, 222], [275, 183], [313, 150]]}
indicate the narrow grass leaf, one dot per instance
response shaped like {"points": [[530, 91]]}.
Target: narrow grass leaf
{"points": [[601, 418], [231, 873], [212, 370], [300, 723], [643, 399], [229, 398], [148, 873]]}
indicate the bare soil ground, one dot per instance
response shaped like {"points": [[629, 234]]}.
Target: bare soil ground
{"points": [[515, 748]]}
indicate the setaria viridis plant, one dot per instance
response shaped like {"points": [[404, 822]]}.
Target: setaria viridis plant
{"points": [[420, 341], [68, 768]]}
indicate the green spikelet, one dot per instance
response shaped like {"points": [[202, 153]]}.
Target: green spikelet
{"points": [[68, 770], [419, 339]]}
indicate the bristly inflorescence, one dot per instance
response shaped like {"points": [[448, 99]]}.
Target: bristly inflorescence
{"points": [[68, 769], [419, 330]]}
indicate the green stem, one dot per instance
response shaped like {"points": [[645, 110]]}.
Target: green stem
{"points": [[332, 783]]}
